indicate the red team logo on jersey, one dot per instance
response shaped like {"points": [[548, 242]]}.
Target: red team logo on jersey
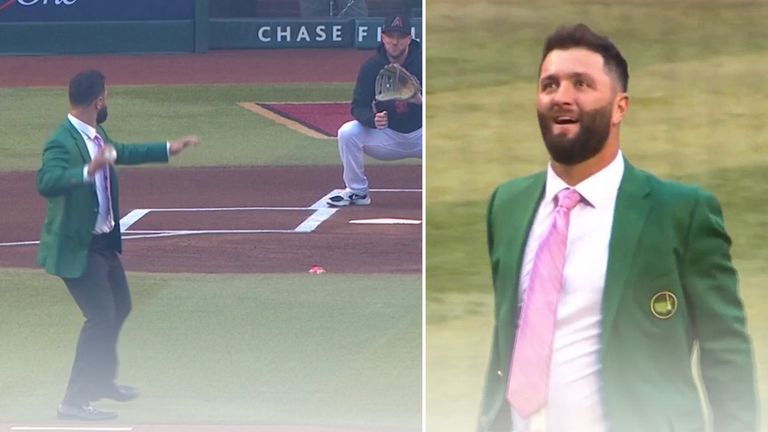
{"points": [[401, 107]]}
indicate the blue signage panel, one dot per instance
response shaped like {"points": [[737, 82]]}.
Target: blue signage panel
{"points": [[95, 10]]}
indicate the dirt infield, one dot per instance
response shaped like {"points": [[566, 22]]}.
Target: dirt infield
{"points": [[215, 67], [323, 117], [263, 198]]}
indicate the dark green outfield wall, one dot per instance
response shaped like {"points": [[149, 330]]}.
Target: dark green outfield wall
{"points": [[136, 26], [102, 26], [298, 33], [96, 37]]}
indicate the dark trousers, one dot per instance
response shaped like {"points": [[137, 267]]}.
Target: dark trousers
{"points": [[103, 296]]}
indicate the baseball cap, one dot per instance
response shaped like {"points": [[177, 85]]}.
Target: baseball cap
{"points": [[397, 24]]}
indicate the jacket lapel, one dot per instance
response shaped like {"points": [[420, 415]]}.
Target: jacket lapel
{"points": [[519, 213], [79, 142], [632, 206], [524, 210]]}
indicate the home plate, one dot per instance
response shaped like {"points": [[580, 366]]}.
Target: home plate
{"points": [[386, 221]]}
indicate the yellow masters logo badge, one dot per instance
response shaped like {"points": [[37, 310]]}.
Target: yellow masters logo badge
{"points": [[663, 305]]}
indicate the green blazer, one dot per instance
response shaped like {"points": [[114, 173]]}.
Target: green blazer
{"points": [[666, 238], [72, 201]]}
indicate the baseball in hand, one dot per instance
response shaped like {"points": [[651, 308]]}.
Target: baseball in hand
{"points": [[110, 153]]}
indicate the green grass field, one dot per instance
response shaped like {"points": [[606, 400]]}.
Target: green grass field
{"points": [[335, 350], [698, 114], [231, 135]]}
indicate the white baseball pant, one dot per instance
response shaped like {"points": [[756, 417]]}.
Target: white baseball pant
{"points": [[357, 140]]}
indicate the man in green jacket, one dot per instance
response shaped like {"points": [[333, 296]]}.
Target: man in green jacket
{"points": [[81, 240], [607, 280]]}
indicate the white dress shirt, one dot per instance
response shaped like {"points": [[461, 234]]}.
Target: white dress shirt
{"points": [[104, 223], [574, 403]]}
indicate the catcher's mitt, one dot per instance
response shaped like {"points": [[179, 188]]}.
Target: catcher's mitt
{"points": [[396, 83]]}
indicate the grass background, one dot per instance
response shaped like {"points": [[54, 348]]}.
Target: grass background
{"points": [[335, 350], [698, 114], [230, 349], [231, 135]]}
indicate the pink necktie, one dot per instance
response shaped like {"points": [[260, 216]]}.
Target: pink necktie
{"points": [[105, 175], [529, 370]]}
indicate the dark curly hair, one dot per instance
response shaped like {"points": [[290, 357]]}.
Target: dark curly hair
{"points": [[86, 87], [581, 36]]}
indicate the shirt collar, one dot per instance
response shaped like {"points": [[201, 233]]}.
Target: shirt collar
{"points": [[84, 129], [599, 189]]}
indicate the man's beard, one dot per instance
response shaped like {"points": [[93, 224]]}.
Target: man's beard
{"points": [[594, 127], [102, 115]]}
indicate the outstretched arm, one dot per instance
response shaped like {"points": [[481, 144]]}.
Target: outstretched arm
{"points": [[177, 146]]}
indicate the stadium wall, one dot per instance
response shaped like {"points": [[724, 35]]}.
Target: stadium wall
{"points": [[40, 27]]}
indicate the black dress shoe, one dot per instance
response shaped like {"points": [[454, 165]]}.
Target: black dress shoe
{"points": [[83, 412], [120, 393]]}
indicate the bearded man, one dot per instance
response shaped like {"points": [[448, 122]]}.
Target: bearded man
{"points": [[608, 280], [81, 240]]}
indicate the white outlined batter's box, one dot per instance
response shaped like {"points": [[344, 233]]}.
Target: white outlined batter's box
{"points": [[306, 226], [320, 213]]}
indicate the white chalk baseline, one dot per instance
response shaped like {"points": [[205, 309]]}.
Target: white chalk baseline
{"points": [[320, 213]]}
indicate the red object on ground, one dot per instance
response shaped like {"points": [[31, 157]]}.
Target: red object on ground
{"points": [[316, 269]]}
